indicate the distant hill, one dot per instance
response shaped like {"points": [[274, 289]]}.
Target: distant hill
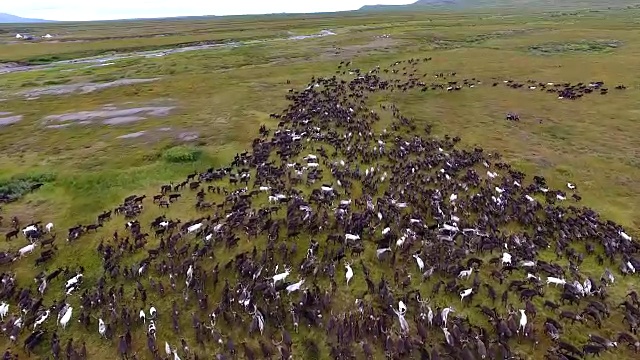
{"points": [[503, 4], [12, 19]]}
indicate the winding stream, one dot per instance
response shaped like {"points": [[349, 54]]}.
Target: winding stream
{"points": [[106, 60]]}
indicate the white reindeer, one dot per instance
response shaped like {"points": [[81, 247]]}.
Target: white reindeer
{"points": [[419, 261], [445, 314], [351, 237], [282, 276], [141, 269], [294, 287], [506, 259], [523, 321], [465, 293], [189, 274], [62, 312], [631, 268], [349, 273], [67, 316], [402, 307], [404, 325], [451, 228], [27, 249], [587, 287], [4, 310], [625, 236], [465, 273], [555, 281], [102, 328], [194, 228], [143, 316], [49, 227]]}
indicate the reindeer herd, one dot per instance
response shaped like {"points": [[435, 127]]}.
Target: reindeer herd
{"points": [[339, 235]]}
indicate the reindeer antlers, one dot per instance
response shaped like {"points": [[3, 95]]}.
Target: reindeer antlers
{"points": [[280, 342], [419, 299]]}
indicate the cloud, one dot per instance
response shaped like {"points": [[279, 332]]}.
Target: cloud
{"points": [[77, 10]]}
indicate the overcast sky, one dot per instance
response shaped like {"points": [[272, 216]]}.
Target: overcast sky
{"points": [[75, 10]]}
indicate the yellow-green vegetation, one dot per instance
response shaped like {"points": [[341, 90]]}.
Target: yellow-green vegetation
{"points": [[224, 94]]}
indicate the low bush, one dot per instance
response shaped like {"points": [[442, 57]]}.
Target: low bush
{"points": [[576, 47], [14, 188], [181, 154]]}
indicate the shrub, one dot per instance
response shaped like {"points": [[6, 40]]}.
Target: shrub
{"points": [[57, 82], [181, 154], [16, 187], [576, 47]]}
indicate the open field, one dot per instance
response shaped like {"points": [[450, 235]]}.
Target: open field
{"points": [[94, 132]]}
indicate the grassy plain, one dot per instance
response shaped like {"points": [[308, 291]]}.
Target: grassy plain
{"points": [[224, 94]]}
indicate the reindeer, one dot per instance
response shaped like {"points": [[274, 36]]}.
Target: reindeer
{"points": [[258, 320]]}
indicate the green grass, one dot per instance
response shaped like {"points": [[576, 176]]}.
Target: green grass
{"points": [[226, 94]]}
